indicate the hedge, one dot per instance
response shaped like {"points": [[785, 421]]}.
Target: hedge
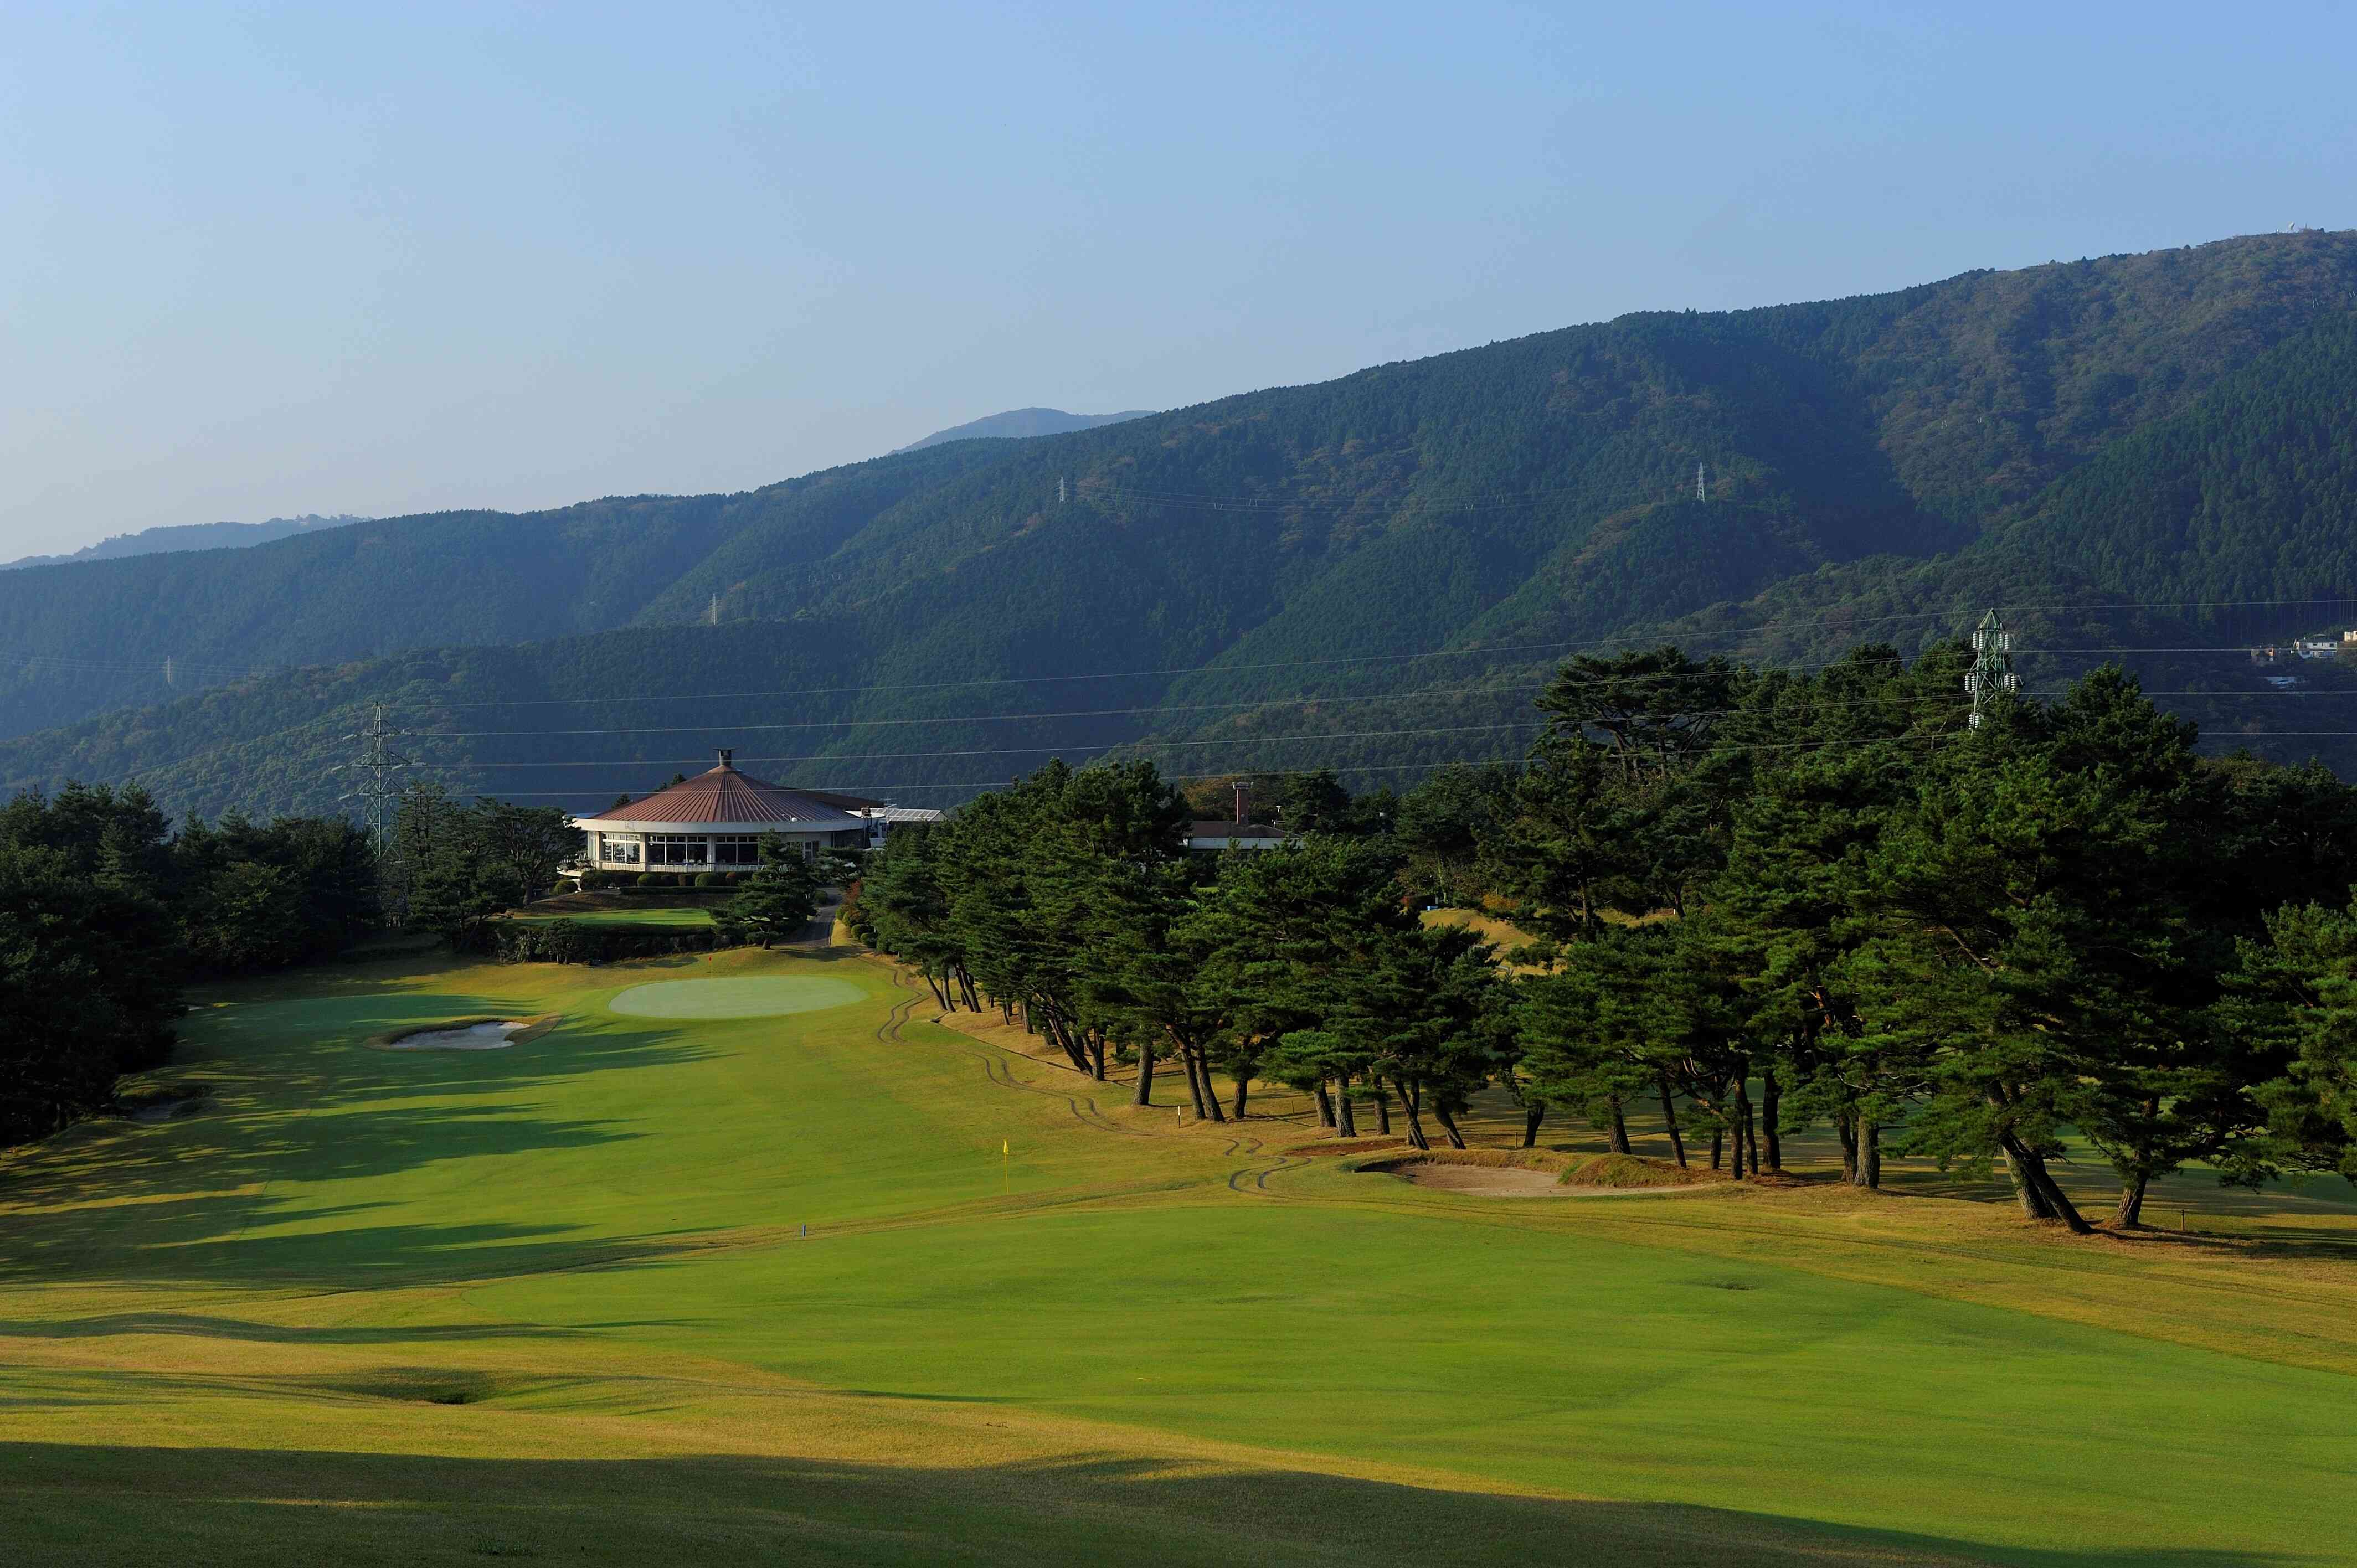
{"points": [[572, 942]]}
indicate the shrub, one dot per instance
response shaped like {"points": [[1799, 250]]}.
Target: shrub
{"points": [[656, 879], [592, 880], [712, 879], [568, 942]]}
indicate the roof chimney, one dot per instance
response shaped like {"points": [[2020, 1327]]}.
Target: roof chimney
{"points": [[728, 756]]}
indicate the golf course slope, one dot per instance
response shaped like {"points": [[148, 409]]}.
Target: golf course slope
{"points": [[558, 1302]]}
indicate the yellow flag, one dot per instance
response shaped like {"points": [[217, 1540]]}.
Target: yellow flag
{"points": [[1002, 1145]]}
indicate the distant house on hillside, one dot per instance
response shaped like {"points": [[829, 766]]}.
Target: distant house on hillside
{"points": [[716, 821], [1210, 837]]}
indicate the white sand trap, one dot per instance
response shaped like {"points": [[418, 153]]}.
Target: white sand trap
{"points": [[473, 1038], [749, 996]]}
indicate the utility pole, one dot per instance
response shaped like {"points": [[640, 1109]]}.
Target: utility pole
{"points": [[168, 671], [1992, 664], [715, 609], [375, 764], [1060, 489], [1702, 486]]}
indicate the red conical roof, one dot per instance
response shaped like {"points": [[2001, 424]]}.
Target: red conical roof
{"points": [[725, 795]]}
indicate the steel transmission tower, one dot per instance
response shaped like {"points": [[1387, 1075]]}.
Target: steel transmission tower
{"points": [[376, 766], [1992, 664]]}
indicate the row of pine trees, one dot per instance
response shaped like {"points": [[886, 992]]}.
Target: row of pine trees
{"points": [[1760, 901]]}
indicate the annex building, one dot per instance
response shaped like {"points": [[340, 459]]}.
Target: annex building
{"points": [[715, 821]]}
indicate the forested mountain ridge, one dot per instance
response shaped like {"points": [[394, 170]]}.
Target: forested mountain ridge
{"points": [[175, 537], [1493, 506], [1019, 423]]}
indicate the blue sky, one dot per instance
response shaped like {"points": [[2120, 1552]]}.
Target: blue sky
{"points": [[267, 261]]}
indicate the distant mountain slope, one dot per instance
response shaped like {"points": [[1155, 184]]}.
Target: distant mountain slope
{"points": [[1023, 422], [1399, 550], [2230, 517], [188, 536]]}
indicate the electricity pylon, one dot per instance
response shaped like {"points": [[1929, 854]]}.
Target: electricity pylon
{"points": [[1992, 664]]}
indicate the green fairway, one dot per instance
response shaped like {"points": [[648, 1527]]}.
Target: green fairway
{"points": [[679, 1281]]}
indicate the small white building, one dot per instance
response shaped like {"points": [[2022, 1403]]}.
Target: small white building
{"points": [[716, 821], [1210, 837]]}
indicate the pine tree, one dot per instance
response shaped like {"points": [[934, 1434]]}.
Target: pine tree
{"points": [[779, 899]]}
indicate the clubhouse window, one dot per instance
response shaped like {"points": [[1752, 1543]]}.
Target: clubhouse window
{"points": [[674, 849], [736, 849], [621, 852]]}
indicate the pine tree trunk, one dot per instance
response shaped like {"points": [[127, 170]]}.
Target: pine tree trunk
{"points": [[1325, 1105], [1416, 1138], [1620, 1129], [2129, 1215], [1383, 1110], [1670, 1120], [1772, 1110], [1869, 1155], [1146, 1074], [1345, 1124], [1057, 1031], [1194, 1081], [1749, 1132], [2058, 1202], [1845, 1123], [1096, 1055], [1717, 1145], [1533, 1112], [1210, 1094], [1447, 1125], [1243, 1087], [2032, 1201]]}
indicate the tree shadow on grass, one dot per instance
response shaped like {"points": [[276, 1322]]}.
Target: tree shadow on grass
{"points": [[373, 1257], [220, 1194], [269, 1507], [344, 1114], [199, 1325]]}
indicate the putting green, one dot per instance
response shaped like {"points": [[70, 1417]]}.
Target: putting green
{"points": [[747, 996]]}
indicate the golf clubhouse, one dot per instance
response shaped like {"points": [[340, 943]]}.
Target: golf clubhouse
{"points": [[716, 821]]}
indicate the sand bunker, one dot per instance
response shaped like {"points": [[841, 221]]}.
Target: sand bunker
{"points": [[1491, 1181], [491, 1036], [1498, 1181], [751, 996]]}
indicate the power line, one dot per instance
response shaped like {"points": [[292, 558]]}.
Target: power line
{"points": [[1025, 750], [983, 784], [968, 718], [1833, 618]]}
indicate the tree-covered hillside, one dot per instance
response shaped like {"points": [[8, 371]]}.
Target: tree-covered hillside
{"points": [[1371, 571]]}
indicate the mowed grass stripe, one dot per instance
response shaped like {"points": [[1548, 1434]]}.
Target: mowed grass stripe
{"points": [[621, 1200]]}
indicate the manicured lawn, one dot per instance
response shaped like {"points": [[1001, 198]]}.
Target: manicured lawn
{"points": [[559, 1300], [696, 915]]}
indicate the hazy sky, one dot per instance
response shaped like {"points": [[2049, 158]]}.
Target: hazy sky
{"points": [[268, 261]]}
